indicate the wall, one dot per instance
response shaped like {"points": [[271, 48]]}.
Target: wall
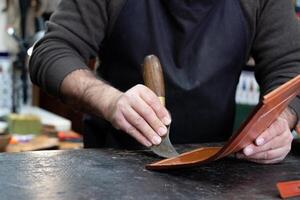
{"points": [[3, 34]]}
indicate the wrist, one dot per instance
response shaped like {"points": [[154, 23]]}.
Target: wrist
{"points": [[102, 99], [99, 97], [84, 91]]}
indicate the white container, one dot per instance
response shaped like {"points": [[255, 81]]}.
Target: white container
{"points": [[3, 126]]}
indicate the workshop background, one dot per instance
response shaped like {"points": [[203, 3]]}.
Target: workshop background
{"points": [[33, 120]]}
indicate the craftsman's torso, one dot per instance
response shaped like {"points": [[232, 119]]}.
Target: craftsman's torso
{"points": [[202, 46]]}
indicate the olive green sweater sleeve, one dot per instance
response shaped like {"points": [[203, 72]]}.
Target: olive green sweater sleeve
{"points": [[74, 34], [275, 43]]}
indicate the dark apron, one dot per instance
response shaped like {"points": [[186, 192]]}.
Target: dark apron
{"points": [[202, 46]]}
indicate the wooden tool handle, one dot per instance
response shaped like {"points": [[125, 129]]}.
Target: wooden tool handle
{"points": [[153, 76]]}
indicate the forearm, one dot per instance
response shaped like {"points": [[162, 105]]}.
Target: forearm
{"points": [[83, 91]]}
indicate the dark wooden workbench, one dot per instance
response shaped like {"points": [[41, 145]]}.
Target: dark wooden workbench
{"points": [[111, 174]]}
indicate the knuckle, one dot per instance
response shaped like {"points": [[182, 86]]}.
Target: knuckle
{"points": [[267, 155], [130, 129], [148, 132], [127, 96], [120, 106], [276, 127], [147, 112], [138, 121], [272, 131], [139, 87], [161, 110], [157, 106], [153, 103], [282, 124], [157, 122], [131, 98], [120, 101], [152, 118]]}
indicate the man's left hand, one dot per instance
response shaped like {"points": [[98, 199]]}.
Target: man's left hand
{"points": [[273, 145]]}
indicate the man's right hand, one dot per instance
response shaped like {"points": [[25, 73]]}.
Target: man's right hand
{"points": [[139, 113]]}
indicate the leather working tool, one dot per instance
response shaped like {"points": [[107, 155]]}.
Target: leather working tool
{"points": [[153, 78], [266, 112], [289, 189]]}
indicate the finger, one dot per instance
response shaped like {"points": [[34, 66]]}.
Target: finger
{"points": [[276, 129], [268, 155], [130, 130], [277, 142], [153, 101], [141, 125], [144, 110]]}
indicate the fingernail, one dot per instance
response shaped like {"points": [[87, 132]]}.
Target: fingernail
{"points": [[248, 151], [260, 141], [162, 131], [156, 140], [166, 121]]}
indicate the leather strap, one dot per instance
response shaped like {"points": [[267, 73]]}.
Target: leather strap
{"points": [[289, 189]]}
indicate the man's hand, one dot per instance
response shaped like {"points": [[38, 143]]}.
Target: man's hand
{"points": [[273, 145], [139, 113]]}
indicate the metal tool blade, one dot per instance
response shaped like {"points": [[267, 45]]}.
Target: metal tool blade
{"points": [[154, 79], [165, 149]]}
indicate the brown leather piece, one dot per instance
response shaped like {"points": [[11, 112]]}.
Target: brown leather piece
{"points": [[289, 189], [266, 112]]}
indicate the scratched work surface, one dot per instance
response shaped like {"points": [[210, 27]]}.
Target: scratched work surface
{"points": [[111, 174]]}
